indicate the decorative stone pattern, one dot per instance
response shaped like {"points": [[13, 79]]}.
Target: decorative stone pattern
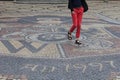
{"points": [[21, 39]]}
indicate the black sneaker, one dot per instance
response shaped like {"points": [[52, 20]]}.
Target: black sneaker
{"points": [[69, 36], [78, 42]]}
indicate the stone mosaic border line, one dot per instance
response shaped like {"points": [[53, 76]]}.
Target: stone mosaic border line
{"points": [[101, 16]]}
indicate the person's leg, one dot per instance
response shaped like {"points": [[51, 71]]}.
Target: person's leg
{"points": [[74, 21], [74, 25], [79, 21]]}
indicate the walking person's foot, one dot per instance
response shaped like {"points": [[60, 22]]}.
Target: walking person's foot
{"points": [[78, 42], [69, 36]]}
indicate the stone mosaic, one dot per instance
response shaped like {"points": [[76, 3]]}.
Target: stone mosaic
{"points": [[34, 45], [28, 31]]}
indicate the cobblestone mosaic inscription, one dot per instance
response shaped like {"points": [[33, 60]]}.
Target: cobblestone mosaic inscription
{"points": [[86, 68]]}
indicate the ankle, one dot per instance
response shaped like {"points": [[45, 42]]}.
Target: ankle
{"points": [[69, 32], [77, 39]]}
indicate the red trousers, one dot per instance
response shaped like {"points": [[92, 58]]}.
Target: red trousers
{"points": [[76, 14]]}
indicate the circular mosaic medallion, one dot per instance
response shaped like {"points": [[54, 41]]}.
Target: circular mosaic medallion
{"points": [[51, 37]]}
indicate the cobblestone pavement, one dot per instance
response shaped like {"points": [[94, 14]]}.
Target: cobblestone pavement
{"points": [[34, 45]]}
